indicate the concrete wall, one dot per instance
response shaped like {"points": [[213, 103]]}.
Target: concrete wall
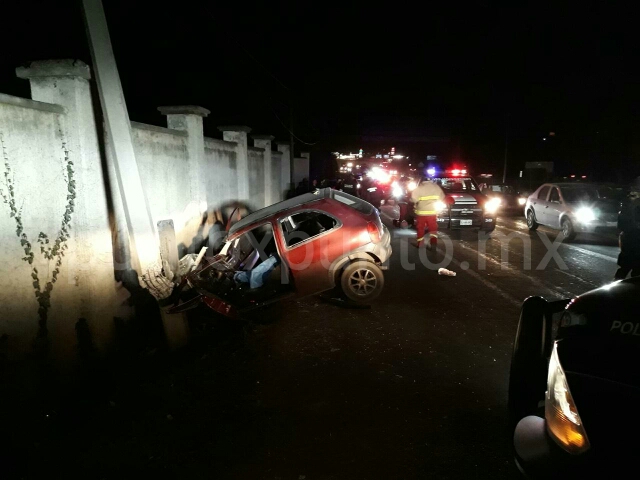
{"points": [[256, 177], [38, 140], [185, 177], [221, 179]]}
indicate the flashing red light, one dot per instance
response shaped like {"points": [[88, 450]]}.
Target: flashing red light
{"points": [[463, 172], [455, 172], [584, 176], [573, 176]]}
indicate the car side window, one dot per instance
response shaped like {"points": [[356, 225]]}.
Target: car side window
{"points": [[305, 225], [542, 194], [555, 196]]}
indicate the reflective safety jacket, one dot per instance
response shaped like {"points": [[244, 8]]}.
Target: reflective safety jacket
{"points": [[425, 197]]}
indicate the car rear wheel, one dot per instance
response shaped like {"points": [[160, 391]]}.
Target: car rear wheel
{"points": [[362, 281], [568, 231], [531, 221]]}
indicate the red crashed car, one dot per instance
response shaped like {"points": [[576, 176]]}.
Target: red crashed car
{"points": [[305, 245]]}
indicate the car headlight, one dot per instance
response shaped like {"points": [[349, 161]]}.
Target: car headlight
{"points": [[522, 201], [563, 421], [440, 206], [585, 214], [358, 185], [411, 186], [492, 205], [397, 191]]}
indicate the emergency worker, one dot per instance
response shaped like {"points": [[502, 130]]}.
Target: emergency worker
{"points": [[425, 197]]}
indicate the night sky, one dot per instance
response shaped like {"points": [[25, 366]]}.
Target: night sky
{"points": [[373, 77]]}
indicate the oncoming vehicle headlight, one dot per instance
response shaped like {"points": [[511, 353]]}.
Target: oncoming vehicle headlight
{"points": [[411, 186], [492, 205], [563, 421], [397, 191], [358, 185], [585, 214], [522, 201], [440, 206]]}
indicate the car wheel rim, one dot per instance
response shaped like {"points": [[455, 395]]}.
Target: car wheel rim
{"points": [[566, 230], [363, 282], [530, 219]]}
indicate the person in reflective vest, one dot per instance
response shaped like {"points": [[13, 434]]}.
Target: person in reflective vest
{"points": [[427, 197]]}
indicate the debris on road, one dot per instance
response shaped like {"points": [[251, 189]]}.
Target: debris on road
{"points": [[448, 273]]}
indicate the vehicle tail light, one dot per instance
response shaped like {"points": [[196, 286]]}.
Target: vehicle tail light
{"points": [[374, 232], [563, 421]]}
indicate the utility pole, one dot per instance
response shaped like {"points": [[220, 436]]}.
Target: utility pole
{"points": [[506, 145]]}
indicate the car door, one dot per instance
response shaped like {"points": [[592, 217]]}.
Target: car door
{"points": [[540, 204], [308, 237], [554, 208]]}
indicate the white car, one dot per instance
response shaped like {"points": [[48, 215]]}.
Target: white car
{"points": [[574, 208]]}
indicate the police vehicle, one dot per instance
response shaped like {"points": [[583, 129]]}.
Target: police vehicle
{"points": [[574, 384], [465, 206]]}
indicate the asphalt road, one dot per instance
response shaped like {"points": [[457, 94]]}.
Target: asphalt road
{"points": [[413, 387]]}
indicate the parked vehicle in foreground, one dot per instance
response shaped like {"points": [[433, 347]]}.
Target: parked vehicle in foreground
{"points": [[574, 208], [574, 384], [305, 245]]}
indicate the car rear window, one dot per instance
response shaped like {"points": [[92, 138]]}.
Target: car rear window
{"points": [[456, 184], [354, 202]]}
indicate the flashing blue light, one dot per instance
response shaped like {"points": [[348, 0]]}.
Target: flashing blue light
{"points": [[431, 172]]}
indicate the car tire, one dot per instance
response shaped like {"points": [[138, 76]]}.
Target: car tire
{"points": [[362, 281], [568, 232], [531, 221]]}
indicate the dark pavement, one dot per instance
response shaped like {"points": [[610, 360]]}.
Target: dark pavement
{"points": [[414, 387]]}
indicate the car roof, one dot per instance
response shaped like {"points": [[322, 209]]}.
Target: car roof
{"points": [[578, 184], [266, 212]]}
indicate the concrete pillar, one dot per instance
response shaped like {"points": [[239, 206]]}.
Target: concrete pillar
{"points": [[264, 141], [86, 288], [285, 178], [189, 119], [238, 135]]}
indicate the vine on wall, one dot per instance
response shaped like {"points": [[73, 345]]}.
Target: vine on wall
{"points": [[51, 249]]}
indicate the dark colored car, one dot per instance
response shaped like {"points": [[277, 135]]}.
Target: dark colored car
{"points": [[574, 385], [465, 207], [351, 184], [511, 201], [305, 245]]}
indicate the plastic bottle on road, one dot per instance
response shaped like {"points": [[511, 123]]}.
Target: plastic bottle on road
{"points": [[448, 273]]}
